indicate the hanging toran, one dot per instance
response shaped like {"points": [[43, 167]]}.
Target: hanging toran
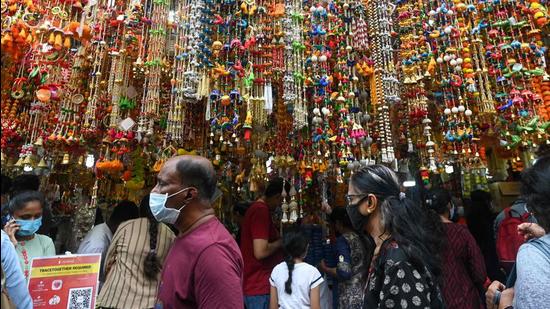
{"points": [[317, 84], [155, 62], [484, 69]]}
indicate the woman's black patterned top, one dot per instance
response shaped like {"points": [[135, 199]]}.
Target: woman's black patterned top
{"points": [[395, 283]]}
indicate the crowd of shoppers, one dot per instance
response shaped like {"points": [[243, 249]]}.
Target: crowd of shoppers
{"points": [[390, 251]]}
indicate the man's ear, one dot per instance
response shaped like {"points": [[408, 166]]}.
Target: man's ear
{"points": [[193, 193]]}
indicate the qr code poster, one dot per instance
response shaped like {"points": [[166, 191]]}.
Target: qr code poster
{"points": [[80, 298], [65, 281]]}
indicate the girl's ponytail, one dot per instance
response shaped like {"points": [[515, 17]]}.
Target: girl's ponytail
{"points": [[288, 284], [295, 244]]}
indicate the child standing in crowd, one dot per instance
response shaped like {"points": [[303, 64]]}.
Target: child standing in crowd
{"points": [[463, 266], [294, 283], [26, 211], [239, 211]]}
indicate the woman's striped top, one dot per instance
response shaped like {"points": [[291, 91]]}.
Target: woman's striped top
{"points": [[126, 285]]}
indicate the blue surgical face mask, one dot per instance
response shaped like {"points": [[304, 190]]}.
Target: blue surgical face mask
{"points": [[28, 227], [157, 203]]}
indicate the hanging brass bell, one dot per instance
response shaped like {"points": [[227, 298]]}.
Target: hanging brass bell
{"points": [[42, 164], [19, 162], [27, 160]]}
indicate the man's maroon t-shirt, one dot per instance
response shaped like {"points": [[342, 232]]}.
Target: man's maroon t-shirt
{"points": [[258, 224], [202, 270]]}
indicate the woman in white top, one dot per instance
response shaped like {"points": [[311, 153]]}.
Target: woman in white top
{"points": [[294, 283]]}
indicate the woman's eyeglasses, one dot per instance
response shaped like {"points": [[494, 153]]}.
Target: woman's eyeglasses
{"points": [[350, 197]]}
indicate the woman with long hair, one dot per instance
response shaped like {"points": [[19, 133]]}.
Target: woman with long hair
{"points": [[406, 267], [134, 259], [294, 283], [463, 267]]}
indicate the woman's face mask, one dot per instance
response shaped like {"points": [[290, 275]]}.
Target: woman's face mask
{"points": [[355, 216], [29, 218], [28, 227]]}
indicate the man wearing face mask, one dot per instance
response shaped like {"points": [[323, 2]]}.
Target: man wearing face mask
{"points": [[204, 266]]}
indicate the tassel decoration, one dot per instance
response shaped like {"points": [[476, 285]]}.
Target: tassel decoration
{"points": [[51, 39], [285, 209], [58, 41], [268, 97], [67, 42]]}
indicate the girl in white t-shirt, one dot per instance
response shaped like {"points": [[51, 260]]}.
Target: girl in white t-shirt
{"points": [[294, 283]]}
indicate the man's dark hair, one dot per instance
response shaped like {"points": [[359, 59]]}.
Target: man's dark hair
{"points": [[241, 207], [275, 186], [25, 182], [199, 175], [535, 189], [124, 211], [98, 216], [6, 184], [543, 150]]}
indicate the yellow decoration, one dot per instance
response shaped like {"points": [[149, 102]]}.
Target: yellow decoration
{"points": [[67, 43], [58, 43]]}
